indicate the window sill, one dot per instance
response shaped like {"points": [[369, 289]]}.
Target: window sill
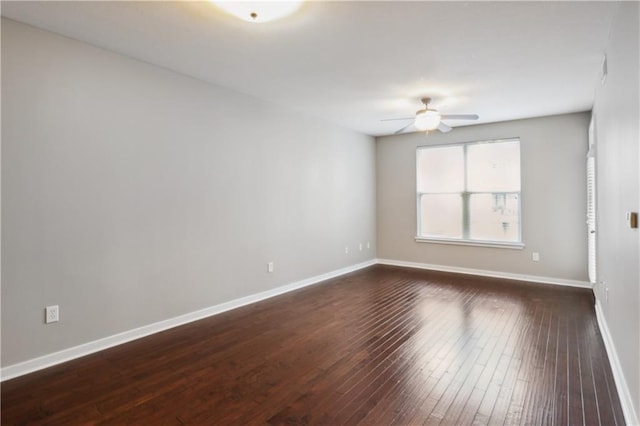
{"points": [[473, 243]]}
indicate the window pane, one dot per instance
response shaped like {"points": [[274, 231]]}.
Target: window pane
{"points": [[494, 217], [441, 169], [441, 215], [493, 167]]}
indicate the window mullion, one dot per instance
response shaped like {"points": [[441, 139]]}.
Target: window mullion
{"points": [[465, 215]]}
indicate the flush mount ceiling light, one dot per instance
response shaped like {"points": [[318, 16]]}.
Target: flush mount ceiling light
{"points": [[258, 11]]}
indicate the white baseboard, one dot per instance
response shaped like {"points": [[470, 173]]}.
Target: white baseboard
{"points": [[626, 401], [64, 355], [485, 273]]}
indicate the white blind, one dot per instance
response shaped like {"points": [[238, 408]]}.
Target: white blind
{"points": [[591, 216]]}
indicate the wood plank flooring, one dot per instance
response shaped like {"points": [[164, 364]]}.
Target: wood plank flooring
{"points": [[384, 345]]}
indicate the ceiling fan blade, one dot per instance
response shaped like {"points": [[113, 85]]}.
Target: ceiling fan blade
{"points": [[403, 129], [459, 116], [396, 119], [444, 128]]}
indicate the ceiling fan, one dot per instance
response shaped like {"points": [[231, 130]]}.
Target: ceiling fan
{"points": [[427, 119]]}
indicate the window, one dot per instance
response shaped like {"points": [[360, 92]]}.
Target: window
{"points": [[470, 193]]}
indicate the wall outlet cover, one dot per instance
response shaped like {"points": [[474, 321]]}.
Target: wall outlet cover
{"points": [[52, 314]]}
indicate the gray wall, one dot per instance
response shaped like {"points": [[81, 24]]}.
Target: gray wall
{"points": [[617, 116], [132, 194], [553, 166]]}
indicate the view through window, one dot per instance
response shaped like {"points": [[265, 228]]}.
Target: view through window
{"points": [[470, 191]]}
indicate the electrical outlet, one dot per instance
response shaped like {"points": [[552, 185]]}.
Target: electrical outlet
{"points": [[346, 249], [52, 314], [270, 267], [368, 245], [360, 246], [535, 256]]}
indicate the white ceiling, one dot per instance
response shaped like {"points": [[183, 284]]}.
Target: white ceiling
{"points": [[355, 63]]}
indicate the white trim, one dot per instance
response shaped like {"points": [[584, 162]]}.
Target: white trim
{"points": [[68, 354], [485, 273], [626, 401], [473, 243]]}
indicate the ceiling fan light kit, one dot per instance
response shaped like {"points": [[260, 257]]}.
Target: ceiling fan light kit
{"points": [[427, 119]]}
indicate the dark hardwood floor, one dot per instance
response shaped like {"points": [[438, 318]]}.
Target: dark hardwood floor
{"points": [[384, 345]]}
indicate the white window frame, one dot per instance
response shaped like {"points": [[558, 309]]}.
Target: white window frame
{"points": [[466, 195]]}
